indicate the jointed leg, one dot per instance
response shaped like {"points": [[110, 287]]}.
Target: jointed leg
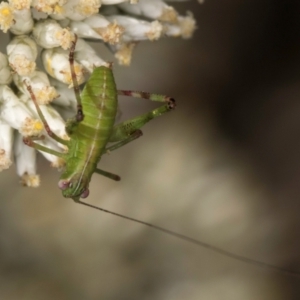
{"points": [[29, 141], [136, 134], [79, 115], [40, 113], [123, 130], [128, 131], [108, 174], [153, 97]]}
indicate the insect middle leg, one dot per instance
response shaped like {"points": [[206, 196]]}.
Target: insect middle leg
{"points": [[30, 141], [128, 131]]}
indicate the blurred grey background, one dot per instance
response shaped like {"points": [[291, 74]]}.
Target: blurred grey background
{"points": [[223, 168]]}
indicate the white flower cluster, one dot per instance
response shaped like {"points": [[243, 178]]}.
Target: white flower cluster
{"points": [[47, 27]]}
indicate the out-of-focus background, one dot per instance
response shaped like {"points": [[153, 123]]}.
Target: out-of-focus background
{"points": [[224, 168]]}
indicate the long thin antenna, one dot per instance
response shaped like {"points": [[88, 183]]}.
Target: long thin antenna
{"points": [[199, 243]]}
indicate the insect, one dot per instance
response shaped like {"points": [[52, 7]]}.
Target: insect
{"points": [[93, 128]]}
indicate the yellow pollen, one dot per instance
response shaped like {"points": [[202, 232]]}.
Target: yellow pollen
{"points": [[38, 126], [6, 12]]}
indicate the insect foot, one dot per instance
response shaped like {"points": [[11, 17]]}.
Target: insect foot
{"points": [[27, 141], [79, 116], [171, 103]]}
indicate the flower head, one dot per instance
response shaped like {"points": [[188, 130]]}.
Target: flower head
{"points": [[49, 27]]}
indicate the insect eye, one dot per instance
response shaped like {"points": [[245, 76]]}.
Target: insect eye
{"points": [[85, 193], [64, 184]]}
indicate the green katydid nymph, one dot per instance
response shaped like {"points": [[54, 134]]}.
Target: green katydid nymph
{"points": [[93, 128]]}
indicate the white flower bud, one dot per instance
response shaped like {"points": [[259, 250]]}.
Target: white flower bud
{"points": [[6, 142], [185, 27], [49, 34], [40, 85], [136, 30], [124, 53], [17, 115], [26, 163], [56, 63], [49, 6], [23, 22], [5, 70], [98, 27], [153, 9], [66, 96], [6, 16], [78, 10], [22, 53], [87, 56], [30, 180], [20, 4]]}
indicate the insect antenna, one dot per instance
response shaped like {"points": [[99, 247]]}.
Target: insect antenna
{"points": [[199, 243]]}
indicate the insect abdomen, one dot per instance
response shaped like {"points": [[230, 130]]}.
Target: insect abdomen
{"points": [[99, 105]]}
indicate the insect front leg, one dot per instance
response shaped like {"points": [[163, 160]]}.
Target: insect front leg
{"points": [[30, 141], [43, 119]]}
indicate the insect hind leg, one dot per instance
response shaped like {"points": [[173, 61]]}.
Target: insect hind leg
{"points": [[170, 102], [133, 136], [128, 131]]}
